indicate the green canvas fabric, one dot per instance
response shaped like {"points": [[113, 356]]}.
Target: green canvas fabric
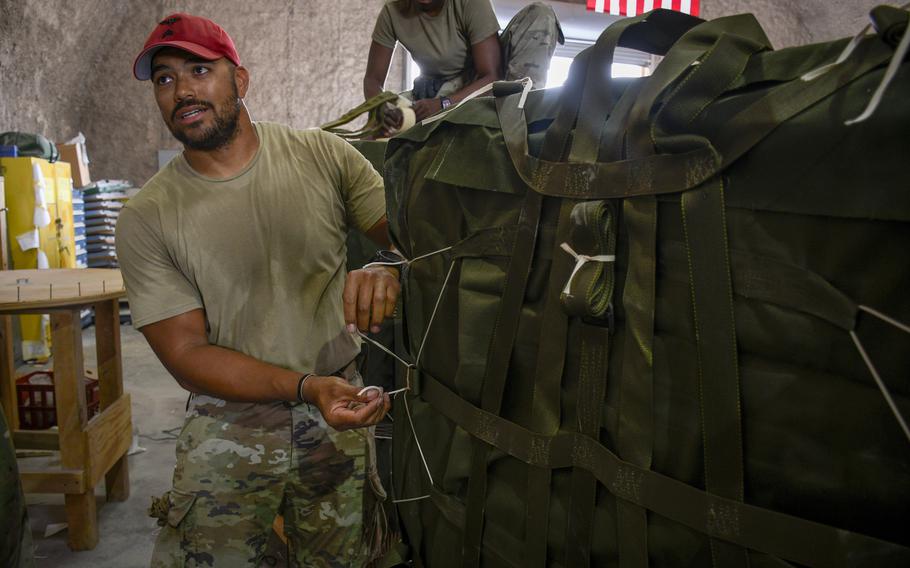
{"points": [[30, 144], [718, 413]]}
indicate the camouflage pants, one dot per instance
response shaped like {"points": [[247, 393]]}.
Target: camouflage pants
{"points": [[240, 464], [527, 43]]}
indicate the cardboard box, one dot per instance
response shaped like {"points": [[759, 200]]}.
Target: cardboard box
{"points": [[75, 155]]}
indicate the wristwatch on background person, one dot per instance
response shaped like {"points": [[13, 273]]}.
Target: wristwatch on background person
{"points": [[446, 102]]}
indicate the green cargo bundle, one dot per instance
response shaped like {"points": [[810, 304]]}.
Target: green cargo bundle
{"points": [[636, 314]]}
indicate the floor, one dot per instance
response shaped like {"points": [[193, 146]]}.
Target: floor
{"points": [[126, 532]]}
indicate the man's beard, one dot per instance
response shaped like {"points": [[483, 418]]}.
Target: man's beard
{"points": [[220, 133]]}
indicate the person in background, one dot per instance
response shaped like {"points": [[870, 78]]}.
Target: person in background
{"points": [[459, 50]]}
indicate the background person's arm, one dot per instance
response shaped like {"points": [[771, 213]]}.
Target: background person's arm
{"points": [[487, 55], [378, 62], [180, 342]]}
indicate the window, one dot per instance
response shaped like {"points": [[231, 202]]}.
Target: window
{"points": [[626, 62], [559, 70]]}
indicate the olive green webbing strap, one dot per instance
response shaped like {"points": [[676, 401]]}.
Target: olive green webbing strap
{"points": [[546, 395], [593, 349], [754, 123], [671, 173], [778, 534], [635, 435], [704, 223], [712, 295], [656, 33], [635, 430], [502, 342], [373, 124]]}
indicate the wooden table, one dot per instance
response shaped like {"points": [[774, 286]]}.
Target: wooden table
{"points": [[89, 449]]}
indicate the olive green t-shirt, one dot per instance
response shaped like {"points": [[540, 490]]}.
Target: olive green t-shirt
{"points": [[263, 252], [441, 44]]}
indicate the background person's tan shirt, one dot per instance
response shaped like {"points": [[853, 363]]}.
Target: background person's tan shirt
{"points": [[441, 44], [263, 253]]}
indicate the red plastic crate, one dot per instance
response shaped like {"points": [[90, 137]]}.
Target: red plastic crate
{"points": [[37, 410]]}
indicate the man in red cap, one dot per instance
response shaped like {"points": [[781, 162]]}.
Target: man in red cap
{"points": [[233, 257]]}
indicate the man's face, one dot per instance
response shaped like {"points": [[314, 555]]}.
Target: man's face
{"points": [[430, 5], [198, 99]]}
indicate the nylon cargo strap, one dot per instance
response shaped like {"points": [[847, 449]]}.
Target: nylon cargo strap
{"points": [[778, 534], [543, 402], [709, 273], [635, 431], [502, 342], [373, 106], [543, 414], [590, 368], [705, 228], [671, 173]]}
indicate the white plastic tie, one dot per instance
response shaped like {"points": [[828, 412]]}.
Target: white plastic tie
{"points": [[409, 500], [899, 54], [405, 261], [896, 60], [581, 260], [878, 380], [528, 84], [848, 50], [411, 366]]}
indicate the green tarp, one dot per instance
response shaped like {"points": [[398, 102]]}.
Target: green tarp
{"points": [[685, 387]]}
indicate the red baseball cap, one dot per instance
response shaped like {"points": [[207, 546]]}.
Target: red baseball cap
{"points": [[199, 36]]}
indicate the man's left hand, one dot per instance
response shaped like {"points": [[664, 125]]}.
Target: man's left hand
{"points": [[426, 107], [369, 297]]}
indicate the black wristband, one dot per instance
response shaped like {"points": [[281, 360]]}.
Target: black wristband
{"points": [[386, 256]]}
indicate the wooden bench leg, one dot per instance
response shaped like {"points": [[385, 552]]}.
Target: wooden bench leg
{"points": [[8, 396], [69, 396], [82, 518], [110, 377]]}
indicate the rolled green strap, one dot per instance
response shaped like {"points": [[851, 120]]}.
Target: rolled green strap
{"points": [[374, 107], [589, 291]]}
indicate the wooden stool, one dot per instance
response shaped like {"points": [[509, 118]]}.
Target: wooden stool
{"points": [[89, 449]]}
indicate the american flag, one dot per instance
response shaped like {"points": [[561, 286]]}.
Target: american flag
{"points": [[636, 7]]}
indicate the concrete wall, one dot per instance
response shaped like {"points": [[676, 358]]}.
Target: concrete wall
{"points": [[65, 66], [790, 23]]}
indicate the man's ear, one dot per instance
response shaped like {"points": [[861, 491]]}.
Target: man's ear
{"points": [[242, 80]]}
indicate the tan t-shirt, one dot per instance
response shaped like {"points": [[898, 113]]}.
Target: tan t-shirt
{"points": [[441, 44], [263, 252]]}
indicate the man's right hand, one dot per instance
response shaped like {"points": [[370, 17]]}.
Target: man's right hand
{"points": [[341, 405]]}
